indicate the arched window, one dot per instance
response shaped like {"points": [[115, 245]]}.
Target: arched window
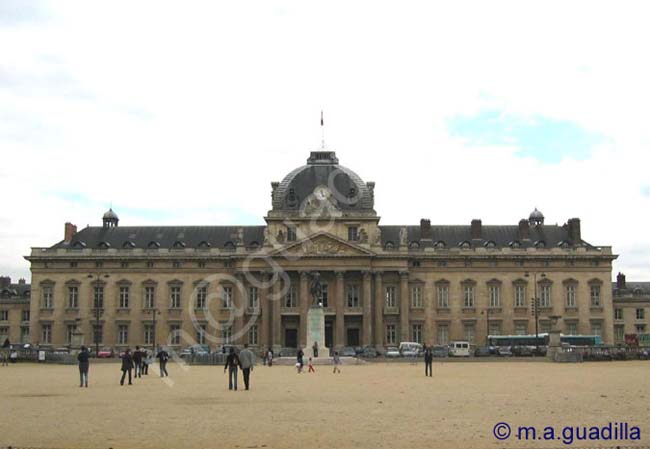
{"points": [[389, 245], [465, 244], [153, 245], [440, 244], [414, 245]]}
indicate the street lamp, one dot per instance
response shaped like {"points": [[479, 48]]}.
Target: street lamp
{"points": [[535, 306], [97, 277]]}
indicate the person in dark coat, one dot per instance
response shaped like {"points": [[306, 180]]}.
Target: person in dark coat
{"points": [[127, 366], [145, 362], [163, 357], [428, 362], [300, 359], [232, 363], [4, 353], [137, 361], [84, 364]]}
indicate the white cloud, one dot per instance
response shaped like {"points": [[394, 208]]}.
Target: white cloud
{"points": [[196, 108]]}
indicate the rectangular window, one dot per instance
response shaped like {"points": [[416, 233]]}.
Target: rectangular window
{"points": [[252, 335], [73, 297], [521, 328], [443, 334], [226, 335], [353, 233], [122, 334], [470, 332], [442, 293], [290, 298], [640, 328], [520, 295], [227, 297], [545, 327], [391, 297], [325, 295], [148, 334], [597, 329], [253, 298], [618, 314], [391, 334], [416, 297], [495, 295], [124, 297], [572, 328], [201, 296], [640, 314], [571, 296], [98, 302], [175, 297], [468, 296], [619, 334], [24, 334], [4, 316], [26, 315], [291, 234], [98, 334], [4, 333], [353, 296], [545, 296], [69, 335], [149, 297], [495, 328], [46, 334], [200, 334], [416, 333], [47, 297], [174, 334], [595, 295]]}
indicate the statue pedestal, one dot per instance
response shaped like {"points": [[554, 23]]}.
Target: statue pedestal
{"points": [[316, 332], [554, 344]]}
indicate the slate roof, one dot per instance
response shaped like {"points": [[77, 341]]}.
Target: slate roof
{"points": [[502, 236], [16, 291], [632, 289], [165, 236]]}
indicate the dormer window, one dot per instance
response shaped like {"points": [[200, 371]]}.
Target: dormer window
{"points": [[229, 246], [153, 245], [490, 244], [353, 233], [291, 234], [178, 245], [540, 244], [414, 245], [128, 244], [254, 245], [104, 245], [389, 245], [440, 245], [563, 244], [465, 244], [78, 245], [515, 244], [204, 245]]}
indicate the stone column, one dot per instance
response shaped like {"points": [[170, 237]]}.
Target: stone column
{"points": [[265, 312], [276, 314], [366, 333], [428, 315], [339, 340], [404, 304], [304, 303], [379, 312], [239, 303]]}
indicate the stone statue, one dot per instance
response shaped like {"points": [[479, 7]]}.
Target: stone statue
{"points": [[363, 236], [316, 289], [403, 236]]}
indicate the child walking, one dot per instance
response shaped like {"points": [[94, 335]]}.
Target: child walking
{"points": [[311, 366], [337, 362]]}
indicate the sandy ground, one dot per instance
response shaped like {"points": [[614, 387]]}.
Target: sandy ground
{"points": [[367, 406]]}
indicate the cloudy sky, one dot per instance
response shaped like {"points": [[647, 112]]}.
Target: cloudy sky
{"points": [[184, 112]]}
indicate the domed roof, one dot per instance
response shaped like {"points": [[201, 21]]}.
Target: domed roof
{"points": [[348, 190], [536, 215], [110, 215]]}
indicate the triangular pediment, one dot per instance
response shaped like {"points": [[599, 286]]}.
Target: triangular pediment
{"points": [[324, 244]]}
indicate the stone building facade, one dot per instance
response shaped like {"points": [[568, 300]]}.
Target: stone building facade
{"points": [[382, 284], [14, 310], [631, 308]]}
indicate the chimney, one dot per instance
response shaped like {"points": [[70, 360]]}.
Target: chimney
{"points": [[620, 280], [5, 281], [476, 229], [22, 281], [574, 230], [524, 230], [70, 231], [425, 229]]}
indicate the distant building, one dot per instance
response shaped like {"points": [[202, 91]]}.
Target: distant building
{"points": [[14, 310], [631, 308], [381, 284]]}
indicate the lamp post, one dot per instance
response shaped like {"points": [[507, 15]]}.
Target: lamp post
{"points": [[535, 306], [97, 277]]}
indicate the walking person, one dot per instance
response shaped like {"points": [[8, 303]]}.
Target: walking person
{"points": [[163, 358], [337, 361], [300, 359], [246, 361], [428, 362], [127, 366], [145, 362], [311, 366], [137, 361], [269, 357], [232, 362], [84, 364], [4, 353]]}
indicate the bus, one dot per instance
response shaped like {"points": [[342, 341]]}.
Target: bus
{"points": [[542, 340]]}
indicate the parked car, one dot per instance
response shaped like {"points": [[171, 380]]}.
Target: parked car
{"points": [[504, 351], [644, 354], [368, 352], [522, 351], [482, 351], [410, 349], [195, 350], [105, 353], [348, 351], [392, 352], [440, 351]]}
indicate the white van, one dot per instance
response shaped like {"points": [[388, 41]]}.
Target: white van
{"points": [[459, 349], [410, 349]]}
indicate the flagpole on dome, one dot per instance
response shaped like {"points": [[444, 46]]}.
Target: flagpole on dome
{"points": [[322, 130]]}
